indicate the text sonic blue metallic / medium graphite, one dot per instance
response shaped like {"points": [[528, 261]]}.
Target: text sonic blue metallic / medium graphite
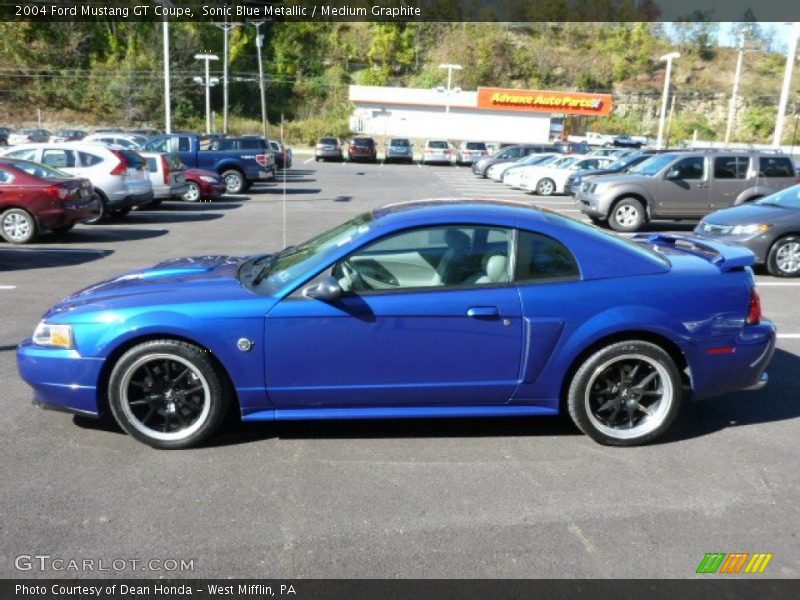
{"points": [[447, 308]]}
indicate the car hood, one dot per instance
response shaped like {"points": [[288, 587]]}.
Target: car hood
{"points": [[172, 282], [752, 213], [593, 172]]}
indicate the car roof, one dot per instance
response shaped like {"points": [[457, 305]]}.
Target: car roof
{"points": [[457, 207]]}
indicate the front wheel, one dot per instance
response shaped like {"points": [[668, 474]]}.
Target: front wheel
{"points": [[234, 181], [625, 394], [193, 193], [17, 226], [546, 187], [167, 394], [784, 257], [627, 215]]}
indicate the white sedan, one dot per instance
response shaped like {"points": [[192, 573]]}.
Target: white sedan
{"points": [[550, 179]]}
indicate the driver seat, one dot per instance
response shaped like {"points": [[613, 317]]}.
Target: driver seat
{"points": [[455, 262]]}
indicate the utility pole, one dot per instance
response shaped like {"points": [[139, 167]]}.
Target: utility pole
{"points": [[167, 103], [259, 43], [669, 58], [207, 83], [736, 79], [226, 29], [787, 81]]}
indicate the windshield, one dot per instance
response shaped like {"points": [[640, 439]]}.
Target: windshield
{"points": [[295, 263], [653, 165], [563, 162], [788, 198], [40, 170], [626, 161]]}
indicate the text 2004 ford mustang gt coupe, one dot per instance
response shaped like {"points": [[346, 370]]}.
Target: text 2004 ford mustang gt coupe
{"points": [[427, 309]]}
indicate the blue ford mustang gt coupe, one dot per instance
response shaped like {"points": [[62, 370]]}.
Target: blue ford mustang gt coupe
{"points": [[448, 308]]}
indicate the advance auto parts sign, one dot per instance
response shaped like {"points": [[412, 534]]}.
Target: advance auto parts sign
{"points": [[569, 103]]}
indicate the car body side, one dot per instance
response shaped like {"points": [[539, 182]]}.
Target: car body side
{"points": [[621, 294]]}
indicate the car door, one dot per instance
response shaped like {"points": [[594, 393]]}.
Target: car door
{"points": [[729, 174], [683, 190], [420, 322], [61, 159]]}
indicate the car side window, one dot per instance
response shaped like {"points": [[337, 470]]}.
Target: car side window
{"points": [[58, 158], [775, 166], [28, 154], [5, 177], [184, 144], [541, 258], [158, 145], [429, 257], [730, 167], [692, 167], [89, 160]]}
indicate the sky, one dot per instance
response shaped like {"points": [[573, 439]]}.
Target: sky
{"points": [[783, 32]]}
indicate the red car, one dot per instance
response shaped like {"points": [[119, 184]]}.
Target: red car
{"points": [[203, 185], [35, 198], [362, 148]]}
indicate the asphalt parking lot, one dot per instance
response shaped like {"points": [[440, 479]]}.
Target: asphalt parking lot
{"points": [[439, 498]]}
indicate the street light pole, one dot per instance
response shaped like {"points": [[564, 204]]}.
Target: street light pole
{"points": [[259, 43], [736, 79], [226, 29], [167, 103], [787, 81], [207, 82], [450, 68], [661, 121]]}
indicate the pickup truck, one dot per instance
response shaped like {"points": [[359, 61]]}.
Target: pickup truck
{"points": [[605, 140], [239, 169]]}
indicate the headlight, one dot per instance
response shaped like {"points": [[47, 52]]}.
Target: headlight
{"points": [[47, 334], [208, 179], [750, 229]]}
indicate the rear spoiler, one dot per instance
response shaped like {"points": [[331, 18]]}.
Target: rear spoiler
{"points": [[726, 257]]}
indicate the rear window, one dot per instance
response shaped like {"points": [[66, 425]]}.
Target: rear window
{"points": [[365, 142], [775, 166], [476, 146], [437, 144], [328, 141], [135, 160], [403, 143]]}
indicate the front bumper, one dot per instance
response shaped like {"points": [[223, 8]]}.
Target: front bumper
{"points": [[60, 378]]}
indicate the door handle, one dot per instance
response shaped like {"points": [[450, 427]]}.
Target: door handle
{"points": [[702, 185], [483, 312]]}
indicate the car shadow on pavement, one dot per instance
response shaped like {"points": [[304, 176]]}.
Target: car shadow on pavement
{"points": [[169, 217], [778, 401], [18, 259], [289, 191], [191, 207], [101, 234], [664, 226]]}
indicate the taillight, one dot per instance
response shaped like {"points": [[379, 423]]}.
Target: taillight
{"points": [[261, 159], [58, 191], [165, 167], [754, 312], [123, 164]]}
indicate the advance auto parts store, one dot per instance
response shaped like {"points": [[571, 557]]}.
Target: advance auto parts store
{"points": [[491, 114]]}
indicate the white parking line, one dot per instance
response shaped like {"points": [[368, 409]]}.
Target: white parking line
{"points": [[778, 283], [305, 162], [8, 287], [788, 336]]}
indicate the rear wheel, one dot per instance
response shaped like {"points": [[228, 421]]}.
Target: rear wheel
{"points": [[625, 394], [545, 187], [193, 193], [167, 394], [234, 181], [783, 259], [627, 215], [103, 214], [17, 226]]}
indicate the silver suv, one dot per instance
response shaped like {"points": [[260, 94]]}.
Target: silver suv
{"points": [[683, 185]]}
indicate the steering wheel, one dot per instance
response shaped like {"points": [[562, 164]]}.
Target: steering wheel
{"points": [[354, 278]]}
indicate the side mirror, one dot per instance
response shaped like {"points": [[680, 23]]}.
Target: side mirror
{"points": [[327, 290], [673, 174]]}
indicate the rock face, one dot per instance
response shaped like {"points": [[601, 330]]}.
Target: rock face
{"points": [[646, 106]]}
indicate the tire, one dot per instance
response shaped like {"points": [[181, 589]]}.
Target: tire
{"points": [[120, 212], [625, 394], [546, 187], [186, 392], [235, 182], [316, 159], [63, 228], [783, 259], [193, 193], [627, 215], [18, 226], [103, 215]]}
